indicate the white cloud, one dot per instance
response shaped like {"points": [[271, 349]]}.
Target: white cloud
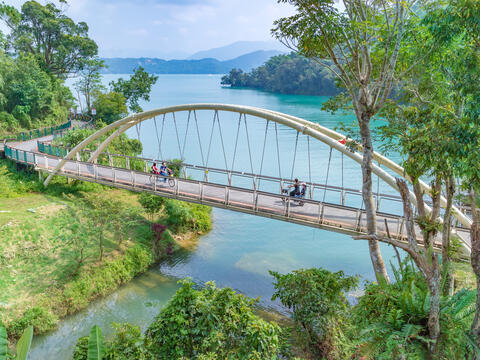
{"points": [[156, 27]]}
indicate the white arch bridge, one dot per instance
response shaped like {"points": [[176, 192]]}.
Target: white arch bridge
{"points": [[231, 157]]}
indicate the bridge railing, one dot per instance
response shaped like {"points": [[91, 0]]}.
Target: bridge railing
{"points": [[312, 212], [315, 191]]}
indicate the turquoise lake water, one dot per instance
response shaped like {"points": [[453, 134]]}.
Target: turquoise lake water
{"points": [[241, 248]]}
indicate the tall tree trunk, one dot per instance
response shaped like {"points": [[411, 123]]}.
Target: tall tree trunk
{"points": [[375, 253], [426, 261], [433, 282], [447, 222], [475, 260]]}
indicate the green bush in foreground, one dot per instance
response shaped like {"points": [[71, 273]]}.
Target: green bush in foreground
{"points": [[209, 323], [391, 319], [320, 308]]}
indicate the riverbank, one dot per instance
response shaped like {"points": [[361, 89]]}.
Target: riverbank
{"points": [[69, 244]]}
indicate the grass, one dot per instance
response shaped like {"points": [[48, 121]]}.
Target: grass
{"points": [[39, 277], [463, 275]]}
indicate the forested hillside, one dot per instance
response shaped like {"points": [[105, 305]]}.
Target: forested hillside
{"points": [[201, 66], [286, 74]]}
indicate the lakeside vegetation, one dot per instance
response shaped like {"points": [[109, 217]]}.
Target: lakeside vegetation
{"points": [[285, 74], [70, 243], [67, 244]]}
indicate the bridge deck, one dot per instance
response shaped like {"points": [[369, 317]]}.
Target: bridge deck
{"points": [[313, 213]]}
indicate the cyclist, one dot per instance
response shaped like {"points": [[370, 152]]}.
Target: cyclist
{"points": [[155, 169], [296, 188], [165, 171], [303, 191]]}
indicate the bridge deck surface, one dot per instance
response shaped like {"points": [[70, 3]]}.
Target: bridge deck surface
{"points": [[312, 213]]}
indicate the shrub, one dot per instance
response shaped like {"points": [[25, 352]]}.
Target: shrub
{"points": [[102, 280], [319, 305], [40, 318], [392, 318], [126, 344], [201, 323], [182, 217], [81, 349]]}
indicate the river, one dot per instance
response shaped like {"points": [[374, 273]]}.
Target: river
{"points": [[241, 248]]}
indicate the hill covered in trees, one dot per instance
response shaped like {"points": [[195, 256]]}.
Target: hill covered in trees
{"points": [[286, 74], [200, 66]]}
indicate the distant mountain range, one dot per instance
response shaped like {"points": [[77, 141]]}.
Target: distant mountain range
{"points": [[201, 66], [237, 49]]}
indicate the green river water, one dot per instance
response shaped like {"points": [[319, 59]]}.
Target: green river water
{"points": [[241, 248]]}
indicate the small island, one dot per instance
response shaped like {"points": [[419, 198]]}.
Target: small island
{"points": [[285, 74]]}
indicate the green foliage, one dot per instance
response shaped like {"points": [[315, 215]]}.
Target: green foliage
{"points": [[137, 88], [211, 323], [392, 319], [110, 106], [40, 318], [287, 74], [81, 349], [90, 80], [102, 280], [121, 145], [151, 203], [182, 217], [319, 305], [24, 343], [58, 44], [30, 95], [95, 344], [127, 343], [3, 343]]}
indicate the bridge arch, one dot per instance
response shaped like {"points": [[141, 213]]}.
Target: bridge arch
{"points": [[314, 130]]}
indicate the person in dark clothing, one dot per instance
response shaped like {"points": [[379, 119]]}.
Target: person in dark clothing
{"points": [[296, 188]]}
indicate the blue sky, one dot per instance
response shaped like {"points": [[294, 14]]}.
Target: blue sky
{"points": [[172, 28]]}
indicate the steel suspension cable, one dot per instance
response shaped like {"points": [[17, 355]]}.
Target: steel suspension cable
{"points": [[264, 146], [378, 191], [236, 141], [294, 156], [138, 128], [160, 155], [278, 153], [221, 140], [176, 132], [185, 138], [326, 179], [342, 170], [263, 153], [161, 134], [199, 139], [248, 142], [211, 137], [309, 166]]}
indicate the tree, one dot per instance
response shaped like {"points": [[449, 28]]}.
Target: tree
{"points": [[213, 323], [457, 23], [110, 106], [137, 88], [319, 305], [151, 203], [90, 80], [58, 43], [360, 46], [30, 94]]}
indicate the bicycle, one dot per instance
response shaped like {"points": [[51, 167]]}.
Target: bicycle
{"points": [[166, 179]]}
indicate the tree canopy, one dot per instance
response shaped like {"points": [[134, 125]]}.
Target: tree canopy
{"points": [[286, 74], [137, 88], [58, 43]]}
